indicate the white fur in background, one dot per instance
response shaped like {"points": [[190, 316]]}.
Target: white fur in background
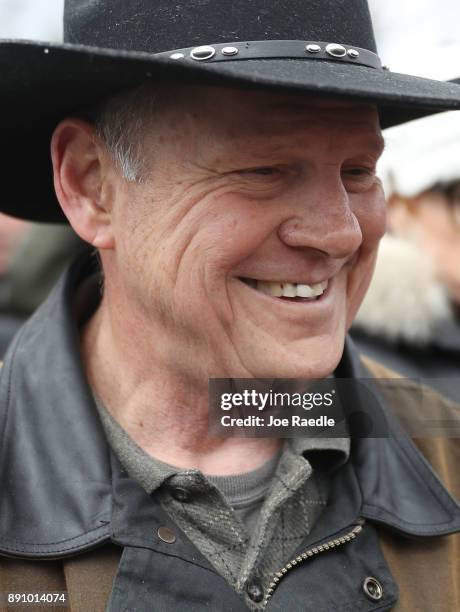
{"points": [[404, 299]]}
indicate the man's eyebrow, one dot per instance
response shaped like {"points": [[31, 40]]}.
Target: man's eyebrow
{"points": [[374, 143], [377, 142], [302, 106]]}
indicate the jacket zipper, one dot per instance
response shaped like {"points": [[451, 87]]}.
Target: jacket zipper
{"points": [[311, 552]]}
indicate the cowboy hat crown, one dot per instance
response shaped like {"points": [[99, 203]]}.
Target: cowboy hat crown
{"points": [[163, 25]]}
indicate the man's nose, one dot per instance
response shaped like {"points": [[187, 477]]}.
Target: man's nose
{"points": [[322, 219]]}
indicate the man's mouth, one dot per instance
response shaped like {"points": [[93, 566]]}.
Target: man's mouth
{"points": [[288, 290]]}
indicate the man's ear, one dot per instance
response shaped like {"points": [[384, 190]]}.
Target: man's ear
{"points": [[81, 173]]}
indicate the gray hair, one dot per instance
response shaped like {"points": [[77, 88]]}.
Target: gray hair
{"points": [[121, 122]]}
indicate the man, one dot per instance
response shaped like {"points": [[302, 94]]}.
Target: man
{"points": [[237, 227]]}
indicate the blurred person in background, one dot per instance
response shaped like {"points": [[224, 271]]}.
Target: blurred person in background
{"points": [[32, 257], [410, 317], [12, 231]]}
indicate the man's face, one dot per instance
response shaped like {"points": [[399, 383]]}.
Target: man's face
{"points": [[246, 194]]}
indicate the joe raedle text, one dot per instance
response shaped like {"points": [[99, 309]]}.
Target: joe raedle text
{"points": [[292, 420]]}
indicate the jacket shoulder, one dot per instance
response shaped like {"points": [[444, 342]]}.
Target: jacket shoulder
{"points": [[378, 369], [431, 420]]}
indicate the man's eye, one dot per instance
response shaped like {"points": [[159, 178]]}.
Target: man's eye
{"points": [[358, 172], [262, 171]]}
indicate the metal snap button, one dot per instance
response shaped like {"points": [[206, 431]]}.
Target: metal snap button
{"points": [[166, 535], [255, 591], [312, 48], [372, 588], [180, 494], [229, 51], [353, 53]]}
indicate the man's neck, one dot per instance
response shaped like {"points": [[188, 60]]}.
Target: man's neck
{"points": [[163, 410]]}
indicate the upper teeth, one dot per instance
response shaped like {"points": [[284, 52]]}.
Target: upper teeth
{"points": [[291, 289]]}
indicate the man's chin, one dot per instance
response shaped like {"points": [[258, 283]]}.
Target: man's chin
{"points": [[313, 361]]}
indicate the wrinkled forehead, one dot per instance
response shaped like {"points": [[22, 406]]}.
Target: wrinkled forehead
{"points": [[245, 113]]}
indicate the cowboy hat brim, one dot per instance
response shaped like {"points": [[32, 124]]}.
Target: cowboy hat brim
{"points": [[43, 83]]}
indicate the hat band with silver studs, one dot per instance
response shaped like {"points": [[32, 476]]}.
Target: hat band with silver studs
{"points": [[279, 49]]}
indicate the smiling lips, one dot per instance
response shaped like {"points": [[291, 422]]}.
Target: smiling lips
{"points": [[288, 290]]}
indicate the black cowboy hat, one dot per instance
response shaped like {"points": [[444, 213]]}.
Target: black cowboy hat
{"points": [[323, 47]]}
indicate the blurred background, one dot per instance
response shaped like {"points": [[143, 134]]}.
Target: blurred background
{"points": [[410, 319], [31, 19]]}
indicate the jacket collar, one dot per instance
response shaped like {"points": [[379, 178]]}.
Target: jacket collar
{"points": [[54, 462], [398, 486], [55, 468]]}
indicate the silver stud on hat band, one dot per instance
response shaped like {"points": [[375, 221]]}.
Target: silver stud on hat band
{"points": [[276, 49], [336, 50], [204, 52]]}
